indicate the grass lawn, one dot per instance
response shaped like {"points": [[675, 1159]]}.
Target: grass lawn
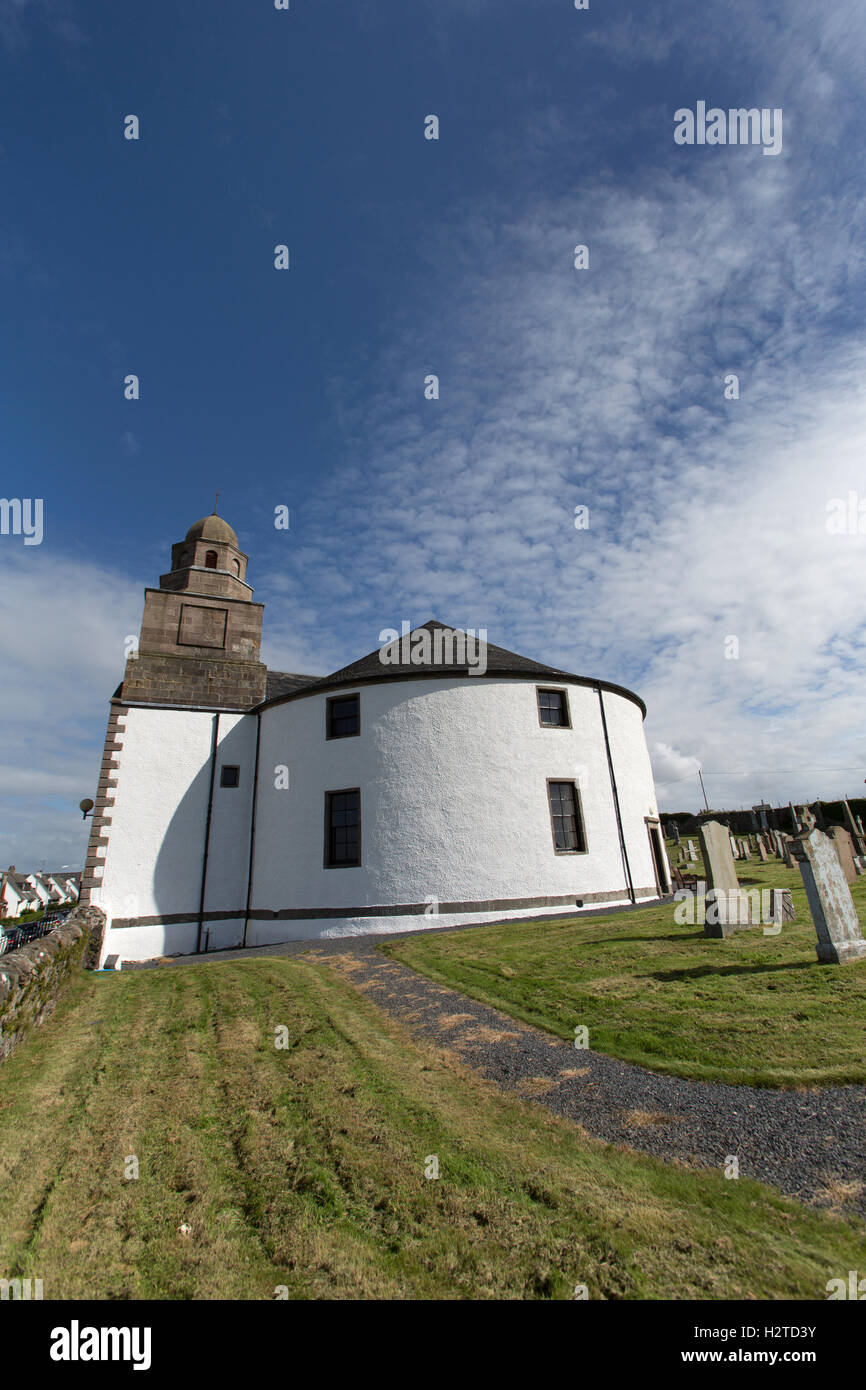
{"points": [[305, 1167], [751, 1008]]}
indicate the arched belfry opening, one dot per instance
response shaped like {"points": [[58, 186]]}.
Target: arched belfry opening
{"points": [[210, 561]]}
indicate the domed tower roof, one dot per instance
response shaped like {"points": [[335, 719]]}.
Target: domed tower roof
{"points": [[212, 528]]}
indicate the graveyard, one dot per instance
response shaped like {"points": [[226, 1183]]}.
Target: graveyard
{"points": [[748, 1009], [302, 1171]]}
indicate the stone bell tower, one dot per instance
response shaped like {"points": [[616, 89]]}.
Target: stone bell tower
{"points": [[201, 632]]}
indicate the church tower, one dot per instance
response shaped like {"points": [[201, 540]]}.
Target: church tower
{"points": [[201, 632]]}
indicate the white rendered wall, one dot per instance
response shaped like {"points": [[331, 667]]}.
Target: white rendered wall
{"points": [[153, 862], [454, 805]]}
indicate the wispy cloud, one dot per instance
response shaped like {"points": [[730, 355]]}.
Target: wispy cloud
{"points": [[62, 630], [559, 388], [22, 20]]}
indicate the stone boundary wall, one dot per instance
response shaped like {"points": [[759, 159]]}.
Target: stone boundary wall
{"points": [[32, 978]]}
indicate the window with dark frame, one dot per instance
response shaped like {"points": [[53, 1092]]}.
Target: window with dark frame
{"points": [[344, 716], [210, 560], [553, 709], [342, 829], [230, 775], [568, 835]]}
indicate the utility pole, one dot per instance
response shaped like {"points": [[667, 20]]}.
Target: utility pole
{"points": [[706, 803]]}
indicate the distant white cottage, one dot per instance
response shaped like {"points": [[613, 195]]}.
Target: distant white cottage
{"points": [[238, 806]]}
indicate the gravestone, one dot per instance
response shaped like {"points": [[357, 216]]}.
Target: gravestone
{"points": [[745, 852], [854, 829], [782, 905], [675, 832], [844, 847], [762, 853], [837, 925], [728, 908], [693, 854]]}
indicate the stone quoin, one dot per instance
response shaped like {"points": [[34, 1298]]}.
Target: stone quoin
{"points": [[238, 806]]}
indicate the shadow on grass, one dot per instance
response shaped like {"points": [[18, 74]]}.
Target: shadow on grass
{"points": [[702, 971], [677, 937]]}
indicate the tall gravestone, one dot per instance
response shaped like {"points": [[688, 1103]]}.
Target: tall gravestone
{"points": [[844, 847], [728, 909], [693, 854], [854, 829], [840, 940]]}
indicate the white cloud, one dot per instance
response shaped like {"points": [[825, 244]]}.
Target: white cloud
{"points": [[62, 629], [562, 387]]}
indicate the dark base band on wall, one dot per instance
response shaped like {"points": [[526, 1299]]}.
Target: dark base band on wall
{"points": [[307, 914]]}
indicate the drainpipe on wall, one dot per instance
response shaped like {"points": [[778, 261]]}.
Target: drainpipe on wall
{"points": [[253, 828], [213, 753], [623, 850]]}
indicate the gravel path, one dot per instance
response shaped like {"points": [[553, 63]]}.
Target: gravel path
{"points": [[811, 1144]]}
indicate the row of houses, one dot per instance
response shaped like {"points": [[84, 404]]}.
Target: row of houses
{"points": [[20, 893]]}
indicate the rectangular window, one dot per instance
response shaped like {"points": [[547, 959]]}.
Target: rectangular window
{"points": [[342, 829], [566, 818], [553, 709], [230, 776], [344, 716]]}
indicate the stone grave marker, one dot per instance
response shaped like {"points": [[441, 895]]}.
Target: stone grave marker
{"points": [[840, 940], [693, 854], [854, 829], [844, 847], [782, 905], [728, 908]]}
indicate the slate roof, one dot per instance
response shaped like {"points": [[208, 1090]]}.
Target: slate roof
{"points": [[17, 882], [499, 662], [284, 683]]}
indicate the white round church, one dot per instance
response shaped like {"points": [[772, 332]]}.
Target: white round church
{"points": [[438, 781]]}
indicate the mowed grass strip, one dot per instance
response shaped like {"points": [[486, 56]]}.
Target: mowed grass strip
{"points": [[304, 1167], [748, 1009]]}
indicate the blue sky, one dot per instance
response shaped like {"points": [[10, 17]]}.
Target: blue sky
{"points": [[558, 387]]}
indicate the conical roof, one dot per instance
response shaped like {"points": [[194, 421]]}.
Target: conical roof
{"points": [[498, 662]]}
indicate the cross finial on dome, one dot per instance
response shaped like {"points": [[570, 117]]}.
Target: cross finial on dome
{"points": [[216, 505]]}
